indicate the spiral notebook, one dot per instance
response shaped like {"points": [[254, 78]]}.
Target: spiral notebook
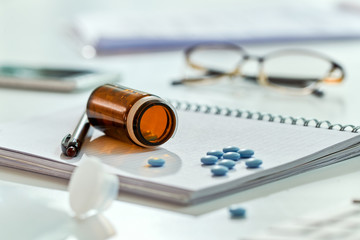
{"points": [[286, 145]]}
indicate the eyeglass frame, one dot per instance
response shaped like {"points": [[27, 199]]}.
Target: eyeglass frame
{"points": [[261, 78]]}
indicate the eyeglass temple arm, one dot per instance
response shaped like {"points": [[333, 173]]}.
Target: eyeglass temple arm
{"points": [[302, 82], [298, 82], [295, 82], [210, 73]]}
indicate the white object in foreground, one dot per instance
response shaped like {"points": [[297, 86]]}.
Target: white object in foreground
{"points": [[91, 188]]}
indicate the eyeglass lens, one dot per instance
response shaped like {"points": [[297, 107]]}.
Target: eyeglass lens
{"points": [[217, 58], [295, 70]]}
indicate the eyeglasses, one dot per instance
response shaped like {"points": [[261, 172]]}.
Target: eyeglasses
{"points": [[292, 71]]}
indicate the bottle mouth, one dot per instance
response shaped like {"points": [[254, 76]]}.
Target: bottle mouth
{"points": [[151, 121]]}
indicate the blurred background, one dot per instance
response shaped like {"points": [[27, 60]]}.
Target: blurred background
{"points": [[143, 40]]}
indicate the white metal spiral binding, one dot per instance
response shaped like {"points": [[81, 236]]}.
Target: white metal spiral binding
{"points": [[194, 107]]}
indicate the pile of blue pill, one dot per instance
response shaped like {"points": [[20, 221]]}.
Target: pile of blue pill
{"points": [[225, 159]]}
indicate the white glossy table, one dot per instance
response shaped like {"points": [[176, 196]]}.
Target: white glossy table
{"points": [[33, 206]]}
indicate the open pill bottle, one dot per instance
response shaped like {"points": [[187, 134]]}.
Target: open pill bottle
{"points": [[131, 115]]}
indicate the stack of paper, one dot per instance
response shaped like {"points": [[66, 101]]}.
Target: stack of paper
{"points": [[238, 21]]}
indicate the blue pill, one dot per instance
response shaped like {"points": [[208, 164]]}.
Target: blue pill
{"points": [[237, 211], [246, 153], [230, 149], [227, 163], [232, 156], [219, 170], [216, 153], [209, 160], [156, 162], [253, 163]]}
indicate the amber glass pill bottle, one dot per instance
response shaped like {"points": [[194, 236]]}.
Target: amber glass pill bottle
{"points": [[131, 115]]}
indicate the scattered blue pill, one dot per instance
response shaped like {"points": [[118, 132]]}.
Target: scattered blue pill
{"points": [[232, 156], [230, 149], [219, 170], [216, 153], [156, 162], [253, 163], [237, 211], [227, 163], [209, 160], [246, 153]]}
